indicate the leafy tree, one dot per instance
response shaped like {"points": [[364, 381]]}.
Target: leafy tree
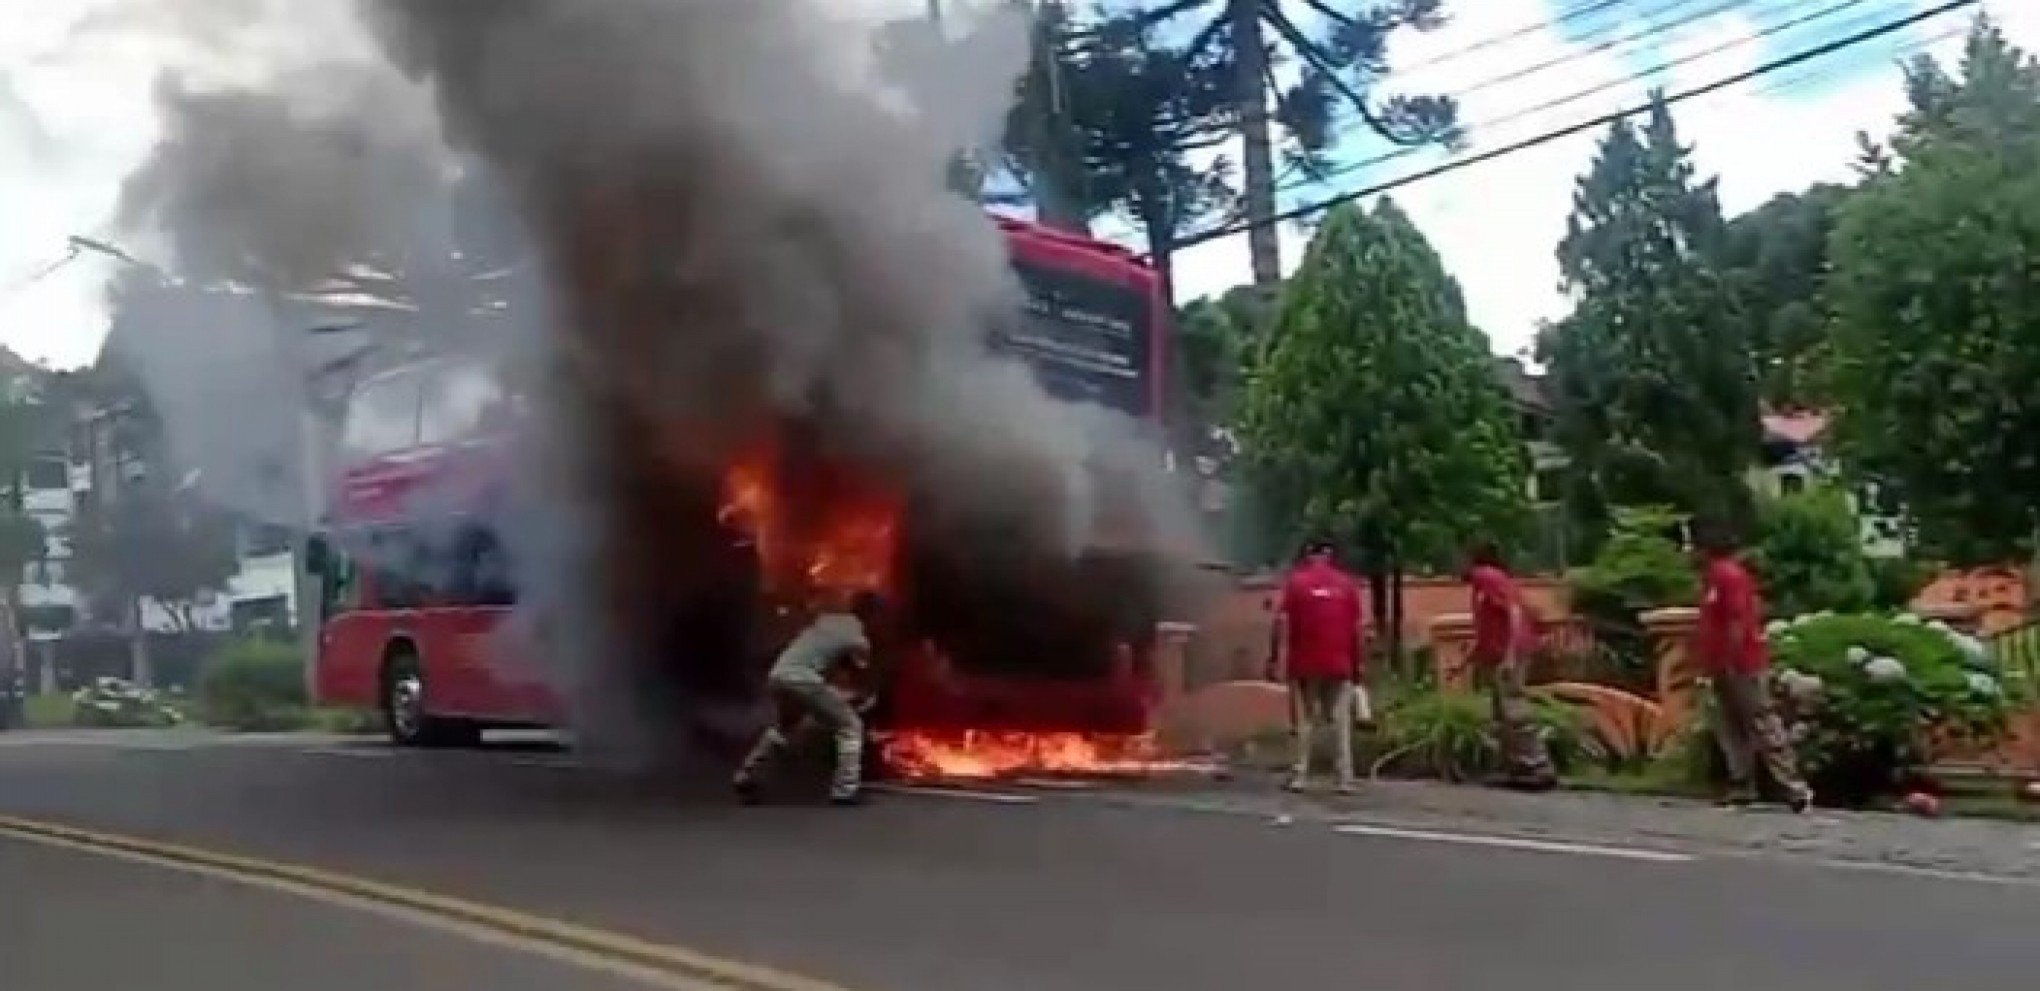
{"points": [[1339, 47], [1776, 255], [1141, 111], [1653, 385], [1216, 337], [22, 539], [1044, 141], [1638, 568], [1936, 300], [156, 547], [1809, 554], [1373, 414]]}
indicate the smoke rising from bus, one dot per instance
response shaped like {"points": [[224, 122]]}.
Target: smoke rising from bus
{"points": [[726, 225]]}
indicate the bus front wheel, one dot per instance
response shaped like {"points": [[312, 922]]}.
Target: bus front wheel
{"points": [[410, 724]]}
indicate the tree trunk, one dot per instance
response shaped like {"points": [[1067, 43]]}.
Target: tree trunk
{"points": [[1395, 619], [138, 647], [46, 681], [1264, 249], [1160, 229], [1377, 605]]}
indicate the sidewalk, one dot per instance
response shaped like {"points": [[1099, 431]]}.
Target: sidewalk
{"points": [[1977, 846]]}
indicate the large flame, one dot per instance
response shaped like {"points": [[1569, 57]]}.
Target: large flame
{"points": [[834, 533], [818, 528], [978, 755]]}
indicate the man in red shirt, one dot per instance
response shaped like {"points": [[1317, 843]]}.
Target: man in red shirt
{"points": [[1319, 634], [1503, 637], [1728, 646]]}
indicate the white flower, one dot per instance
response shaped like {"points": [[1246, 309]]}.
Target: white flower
{"points": [[1939, 626], [1884, 670], [1971, 647], [1800, 688], [1983, 684], [1799, 732], [1907, 618], [1858, 655], [1776, 628]]}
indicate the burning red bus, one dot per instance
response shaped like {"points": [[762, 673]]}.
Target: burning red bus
{"points": [[1063, 681]]}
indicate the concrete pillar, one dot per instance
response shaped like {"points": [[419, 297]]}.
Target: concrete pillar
{"points": [[1452, 650], [1172, 660], [1678, 674]]}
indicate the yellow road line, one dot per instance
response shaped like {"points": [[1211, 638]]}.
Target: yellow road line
{"points": [[654, 964]]}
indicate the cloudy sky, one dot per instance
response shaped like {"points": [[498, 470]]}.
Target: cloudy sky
{"points": [[72, 124]]}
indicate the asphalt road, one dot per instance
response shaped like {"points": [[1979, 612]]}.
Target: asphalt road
{"points": [[1040, 891], [77, 921]]}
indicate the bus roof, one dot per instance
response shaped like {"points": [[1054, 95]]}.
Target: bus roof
{"points": [[1066, 249]]}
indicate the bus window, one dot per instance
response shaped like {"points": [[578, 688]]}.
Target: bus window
{"points": [[482, 573], [382, 416], [400, 564], [339, 582]]}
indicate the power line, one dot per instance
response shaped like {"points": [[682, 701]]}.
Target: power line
{"points": [[1795, 83], [1606, 45], [1598, 88], [1584, 10], [43, 272], [1546, 137]]}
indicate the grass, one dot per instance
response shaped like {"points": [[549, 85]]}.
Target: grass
{"points": [[48, 711], [1666, 778]]}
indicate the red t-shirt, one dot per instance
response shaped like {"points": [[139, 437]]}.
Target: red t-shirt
{"points": [[1321, 612], [1729, 603], [1495, 599]]}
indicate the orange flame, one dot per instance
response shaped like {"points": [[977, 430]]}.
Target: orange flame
{"points": [[975, 754], [842, 536]]}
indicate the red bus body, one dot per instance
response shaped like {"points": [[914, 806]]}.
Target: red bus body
{"points": [[1097, 332]]}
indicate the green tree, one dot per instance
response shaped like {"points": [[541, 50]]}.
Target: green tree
{"points": [[1044, 141], [1639, 567], [1936, 303], [1339, 48], [1654, 387], [1140, 111], [1776, 256], [1216, 336], [1809, 554], [22, 539], [152, 546], [1373, 415]]}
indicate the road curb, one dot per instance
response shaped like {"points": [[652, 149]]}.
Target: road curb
{"points": [[629, 950]]}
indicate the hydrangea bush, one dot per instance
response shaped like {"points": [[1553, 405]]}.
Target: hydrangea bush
{"points": [[1867, 698]]}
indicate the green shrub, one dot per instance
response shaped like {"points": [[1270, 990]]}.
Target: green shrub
{"points": [[1451, 735], [255, 685], [1809, 554], [1639, 568], [1866, 698], [1896, 581]]}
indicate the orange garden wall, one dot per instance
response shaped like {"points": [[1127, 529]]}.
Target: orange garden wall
{"points": [[1997, 594]]}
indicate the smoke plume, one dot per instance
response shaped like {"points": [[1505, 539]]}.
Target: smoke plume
{"points": [[729, 227]]}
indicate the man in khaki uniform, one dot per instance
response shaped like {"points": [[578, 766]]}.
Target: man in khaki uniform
{"points": [[801, 687]]}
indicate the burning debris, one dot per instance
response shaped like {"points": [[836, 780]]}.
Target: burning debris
{"points": [[752, 333]]}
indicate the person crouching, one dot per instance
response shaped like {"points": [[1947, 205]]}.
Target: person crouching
{"points": [[801, 686]]}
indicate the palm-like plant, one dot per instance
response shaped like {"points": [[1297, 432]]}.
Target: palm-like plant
{"points": [[1339, 49]]}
